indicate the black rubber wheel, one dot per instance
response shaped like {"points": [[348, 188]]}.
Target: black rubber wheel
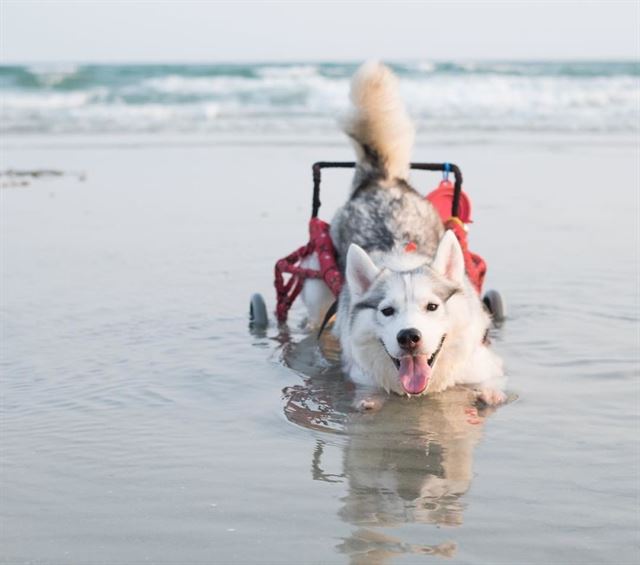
{"points": [[496, 305], [258, 312]]}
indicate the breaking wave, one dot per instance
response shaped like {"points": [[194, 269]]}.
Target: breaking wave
{"points": [[307, 98]]}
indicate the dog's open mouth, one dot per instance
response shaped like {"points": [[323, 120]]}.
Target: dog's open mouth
{"points": [[414, 371]]}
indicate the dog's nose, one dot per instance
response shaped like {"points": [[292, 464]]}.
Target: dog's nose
{"points": [[409, 338]]}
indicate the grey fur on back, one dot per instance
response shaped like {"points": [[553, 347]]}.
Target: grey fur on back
{"points": [[384, 219]]}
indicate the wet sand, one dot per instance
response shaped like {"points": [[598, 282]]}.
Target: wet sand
{"points": [[143, 422]]}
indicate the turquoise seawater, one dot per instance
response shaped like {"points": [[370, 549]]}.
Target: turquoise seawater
{"points": [[272, 98]]}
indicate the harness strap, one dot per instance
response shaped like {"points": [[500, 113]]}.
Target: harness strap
{"points": [[330, 312]]}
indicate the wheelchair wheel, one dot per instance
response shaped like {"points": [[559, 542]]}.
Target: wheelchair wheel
{"points": [[258, 312], [496, 305]]}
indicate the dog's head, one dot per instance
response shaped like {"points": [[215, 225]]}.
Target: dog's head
{"points": [[400, 314]]}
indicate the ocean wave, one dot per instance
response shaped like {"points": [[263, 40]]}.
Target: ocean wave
{"points": [[45, 102], [292, 71], [558, 96], [52, 75]]}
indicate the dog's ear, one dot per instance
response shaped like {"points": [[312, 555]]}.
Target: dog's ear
{"points": [[360, 271], [449, 260]]}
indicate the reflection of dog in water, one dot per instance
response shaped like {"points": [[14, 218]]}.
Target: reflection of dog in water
{"points": [[409, 462]]}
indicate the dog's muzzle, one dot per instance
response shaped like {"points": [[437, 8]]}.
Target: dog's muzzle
{"points": [[414, 370], [430, 361]]}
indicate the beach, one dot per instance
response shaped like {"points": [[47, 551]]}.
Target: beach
{"points": [[143, 420]]}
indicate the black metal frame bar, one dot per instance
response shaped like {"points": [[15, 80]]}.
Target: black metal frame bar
{"points": [[317, 168]]}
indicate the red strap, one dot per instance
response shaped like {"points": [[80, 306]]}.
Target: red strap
{"points": [[319, 242]]}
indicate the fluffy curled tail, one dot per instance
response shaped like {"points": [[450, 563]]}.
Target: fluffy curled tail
{"points": [[379, 124]]}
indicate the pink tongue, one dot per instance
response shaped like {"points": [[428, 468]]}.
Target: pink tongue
{"points": [[414, 373]]}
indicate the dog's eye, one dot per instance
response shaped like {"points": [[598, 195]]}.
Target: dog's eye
{"points": [[388, 311], [432, 306]]}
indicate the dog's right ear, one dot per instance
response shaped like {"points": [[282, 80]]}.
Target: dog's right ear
{"points": [[449, 260], [360, 271]]}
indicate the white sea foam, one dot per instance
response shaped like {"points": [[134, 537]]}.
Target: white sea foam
{"points": [[294, 71], [175, 84], [53, 74], [426, 67], [44, 101]]}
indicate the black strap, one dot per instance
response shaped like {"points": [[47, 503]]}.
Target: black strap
{"points": [[330, 312]]}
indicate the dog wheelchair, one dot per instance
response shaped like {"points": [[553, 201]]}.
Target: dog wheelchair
{"points": [[453, 206]]}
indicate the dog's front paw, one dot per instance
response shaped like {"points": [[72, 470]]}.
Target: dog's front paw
{"points": [[369, 403], [491, 396]]}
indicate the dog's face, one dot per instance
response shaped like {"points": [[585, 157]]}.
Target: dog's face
{"points": [[400, 318]]}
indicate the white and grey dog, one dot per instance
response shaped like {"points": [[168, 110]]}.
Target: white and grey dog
{"points": [[409, 323]]}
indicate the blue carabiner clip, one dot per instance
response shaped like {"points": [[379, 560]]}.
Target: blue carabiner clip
{"points": [[445, 173]]}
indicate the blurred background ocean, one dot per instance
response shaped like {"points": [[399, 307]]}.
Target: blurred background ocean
{"points": [[306, 98]]}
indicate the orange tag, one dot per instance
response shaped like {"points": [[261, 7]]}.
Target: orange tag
{"points": [[411, 247]]}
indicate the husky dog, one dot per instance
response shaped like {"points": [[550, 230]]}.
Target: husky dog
{"points": [[409, 323]]}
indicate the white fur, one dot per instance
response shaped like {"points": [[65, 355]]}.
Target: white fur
{"points": [[316, 295], [463, 359], [379, 118], [449, 260]]}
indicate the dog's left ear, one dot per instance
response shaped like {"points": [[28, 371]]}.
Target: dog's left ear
{"points": [[449, 260], [360, 271]]}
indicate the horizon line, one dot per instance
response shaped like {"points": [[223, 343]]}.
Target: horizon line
{"points": [[169, 61]]}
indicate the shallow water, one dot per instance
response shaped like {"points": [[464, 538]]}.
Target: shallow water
{"points": [[142, 421]]}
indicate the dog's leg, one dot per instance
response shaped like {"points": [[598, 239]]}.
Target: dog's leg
{"points": [[486, 377], [368, 398], [316, 295], [490, 395]]}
